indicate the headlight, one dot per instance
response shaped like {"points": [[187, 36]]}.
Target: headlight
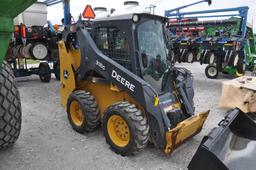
{"points": [[135, 18]]}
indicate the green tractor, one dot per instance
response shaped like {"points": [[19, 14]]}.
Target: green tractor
{"points": [[10, 105]]}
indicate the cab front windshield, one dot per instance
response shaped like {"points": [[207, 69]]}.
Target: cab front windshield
{"points": [[153, 53]]}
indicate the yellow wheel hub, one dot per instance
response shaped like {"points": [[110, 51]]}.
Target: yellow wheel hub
{"points": [[76, 113], [118, 131]]}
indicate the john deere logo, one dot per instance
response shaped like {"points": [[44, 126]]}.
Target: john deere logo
{"points": [[123, 81]]}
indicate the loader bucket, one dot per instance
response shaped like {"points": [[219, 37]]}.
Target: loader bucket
{"points": [[231, 145], [8, 10], [184, 130]]}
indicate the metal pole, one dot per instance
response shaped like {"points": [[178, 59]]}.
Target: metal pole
{"points": [[67, 15]]}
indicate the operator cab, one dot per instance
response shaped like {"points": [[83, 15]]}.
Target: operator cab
{"points": [[137, 42]]}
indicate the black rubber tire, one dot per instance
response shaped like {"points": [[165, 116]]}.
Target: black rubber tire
{"points": [[10, 108], [203, 57], [233, 60], [138, 126], [208, 75], [241, 67], [209, 59], [56, 69], [89, 108], [230, 58], [44, 72]]}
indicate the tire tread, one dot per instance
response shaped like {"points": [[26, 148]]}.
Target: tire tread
{"points": [[138, 120], [10, 108]]}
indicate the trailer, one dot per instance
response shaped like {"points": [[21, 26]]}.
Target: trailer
{"points": [[32, 40], [226, 45]]}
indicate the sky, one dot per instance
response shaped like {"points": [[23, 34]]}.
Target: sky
{"points": [[55, 13]]}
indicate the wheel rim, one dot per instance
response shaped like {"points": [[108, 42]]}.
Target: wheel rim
{"points": [[40, 51], [118, 131], [76, 113], [212, 71]]}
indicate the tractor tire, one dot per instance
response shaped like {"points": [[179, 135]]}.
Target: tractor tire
{"points": [[241, 67], [56, 69], [125, 128], [44, 72], [10, 112], [211, 71], [83, 112]]}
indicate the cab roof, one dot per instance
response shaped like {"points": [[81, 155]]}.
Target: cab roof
{"points": [[129, 17]]}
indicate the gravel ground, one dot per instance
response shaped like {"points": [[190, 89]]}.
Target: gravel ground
{"points": [[48, 142]]}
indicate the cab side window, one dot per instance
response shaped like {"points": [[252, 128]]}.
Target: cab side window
{"points": [[113, 43], [101, 39]]}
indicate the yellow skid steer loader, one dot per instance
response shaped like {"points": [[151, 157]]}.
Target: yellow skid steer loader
{"points": [[118, 73]]}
